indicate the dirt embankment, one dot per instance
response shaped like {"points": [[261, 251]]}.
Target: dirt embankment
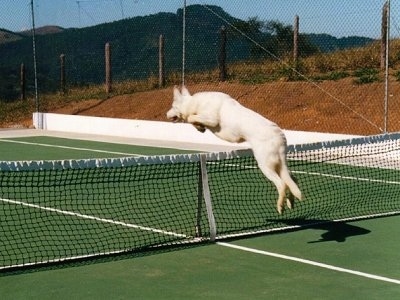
{"points": [[330, 106]]}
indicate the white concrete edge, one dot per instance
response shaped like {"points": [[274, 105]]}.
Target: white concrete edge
{"points": [[162, 133]]}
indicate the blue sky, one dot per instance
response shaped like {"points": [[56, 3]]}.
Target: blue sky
{"points": [[336, 17]]}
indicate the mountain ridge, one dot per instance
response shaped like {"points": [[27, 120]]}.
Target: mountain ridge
{"points": [[134, 44]]}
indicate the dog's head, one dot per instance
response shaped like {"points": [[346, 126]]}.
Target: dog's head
{"points": [[176, 113]]}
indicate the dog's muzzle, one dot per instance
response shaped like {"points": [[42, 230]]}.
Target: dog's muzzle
{"points": [[174, 119], [171, 115]]}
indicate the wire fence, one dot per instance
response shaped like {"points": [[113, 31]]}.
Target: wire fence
{"points": [[309, 65]]}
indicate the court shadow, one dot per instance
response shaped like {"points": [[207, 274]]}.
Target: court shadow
{"points": [[334, 231], [106, 258], [338, 232]]}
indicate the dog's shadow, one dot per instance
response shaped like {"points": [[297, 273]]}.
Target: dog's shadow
{"points": [[334, 231], [338, 231]]}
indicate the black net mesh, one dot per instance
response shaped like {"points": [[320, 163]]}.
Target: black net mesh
{"points": [[56, 211]]}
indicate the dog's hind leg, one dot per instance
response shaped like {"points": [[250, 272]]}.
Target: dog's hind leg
{"points": [[269, 168], [279, 184], [290, 181]]}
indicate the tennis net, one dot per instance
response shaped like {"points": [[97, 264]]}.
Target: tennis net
{"points": [[55, 211]]}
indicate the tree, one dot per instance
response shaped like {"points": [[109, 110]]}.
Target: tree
{"points": [[273, 39]]}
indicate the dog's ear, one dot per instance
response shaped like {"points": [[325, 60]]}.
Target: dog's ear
{"points": [[177, 93], [185, 91]]}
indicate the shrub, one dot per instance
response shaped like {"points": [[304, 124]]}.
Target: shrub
{"points": [[366, 75]]}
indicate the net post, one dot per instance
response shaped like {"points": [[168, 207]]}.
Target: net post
{"points": [[199, 203], [207, 196]]}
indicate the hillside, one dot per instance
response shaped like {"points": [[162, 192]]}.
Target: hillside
{"points": [[7, 36], [44, 30], [292, 105], [134, 43]]}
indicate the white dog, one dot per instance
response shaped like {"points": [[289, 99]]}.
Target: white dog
{"points": [[232, 122]]}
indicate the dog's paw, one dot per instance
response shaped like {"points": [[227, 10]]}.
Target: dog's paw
{"points": [[200, 127], [280, 209], [290, 201]]}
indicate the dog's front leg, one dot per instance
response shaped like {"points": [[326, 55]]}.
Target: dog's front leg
{"points": [[201, 122], [199, 127]]}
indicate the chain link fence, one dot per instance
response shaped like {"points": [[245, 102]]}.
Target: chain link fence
{"points": [[307, 65]]}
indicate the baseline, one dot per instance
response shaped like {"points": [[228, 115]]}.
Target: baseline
{"points": [[310, 262], [70, 148]]}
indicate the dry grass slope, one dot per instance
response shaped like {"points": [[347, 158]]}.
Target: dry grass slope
{"points": [[327, 97]]}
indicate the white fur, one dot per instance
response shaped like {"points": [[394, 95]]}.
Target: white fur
{"points": [[232, 122]]}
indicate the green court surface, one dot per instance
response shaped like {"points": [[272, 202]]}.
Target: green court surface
{"points": [[51, 148], [220, 272], [345, 260]]}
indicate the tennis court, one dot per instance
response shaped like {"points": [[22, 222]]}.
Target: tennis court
{"points": [[349, 258]]}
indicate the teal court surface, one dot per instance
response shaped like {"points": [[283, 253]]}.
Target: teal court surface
{"points": [[357, 259]]}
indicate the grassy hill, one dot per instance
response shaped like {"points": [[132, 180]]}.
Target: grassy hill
{"points": [[337, 92], [134, 44], [7, 36]]}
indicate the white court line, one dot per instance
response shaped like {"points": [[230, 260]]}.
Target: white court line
{"points": [[88, 217], [347, 177], [310, 262], [321, 174], [71, 148]]}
